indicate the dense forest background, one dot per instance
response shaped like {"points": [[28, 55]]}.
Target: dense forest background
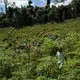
{"points": [[28, 16]]}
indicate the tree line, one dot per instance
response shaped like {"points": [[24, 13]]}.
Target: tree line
{"points": [[28, 16]]}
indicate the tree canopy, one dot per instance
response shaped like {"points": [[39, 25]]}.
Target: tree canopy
{"points": [[30, 15]]}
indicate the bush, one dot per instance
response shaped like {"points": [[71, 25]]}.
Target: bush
{"points": [[47, 66]]}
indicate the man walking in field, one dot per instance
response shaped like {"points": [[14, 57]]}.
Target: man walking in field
{"points": [[61, 58]]}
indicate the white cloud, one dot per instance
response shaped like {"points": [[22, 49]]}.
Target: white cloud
{"points": [[43, 1], [23, 3], [18, 2], [40, 3], [66, 2], [59, 4], [1, 1]]}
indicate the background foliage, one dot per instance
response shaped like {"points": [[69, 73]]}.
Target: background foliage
{"points": [[27, 16]]}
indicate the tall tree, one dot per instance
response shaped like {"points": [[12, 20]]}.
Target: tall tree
{"points": [[48, 2], [76, 7], [30, 2]]}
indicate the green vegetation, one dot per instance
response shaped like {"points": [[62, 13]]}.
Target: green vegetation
{"points": [[18, 62]]}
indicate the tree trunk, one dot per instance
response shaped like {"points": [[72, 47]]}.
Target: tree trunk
{"points": [[48, 2]]}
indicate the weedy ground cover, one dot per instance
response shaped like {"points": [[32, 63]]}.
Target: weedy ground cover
{"points": [[27, 53]]}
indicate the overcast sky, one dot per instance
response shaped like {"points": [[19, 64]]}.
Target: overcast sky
{"points": [[41, 3]]}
